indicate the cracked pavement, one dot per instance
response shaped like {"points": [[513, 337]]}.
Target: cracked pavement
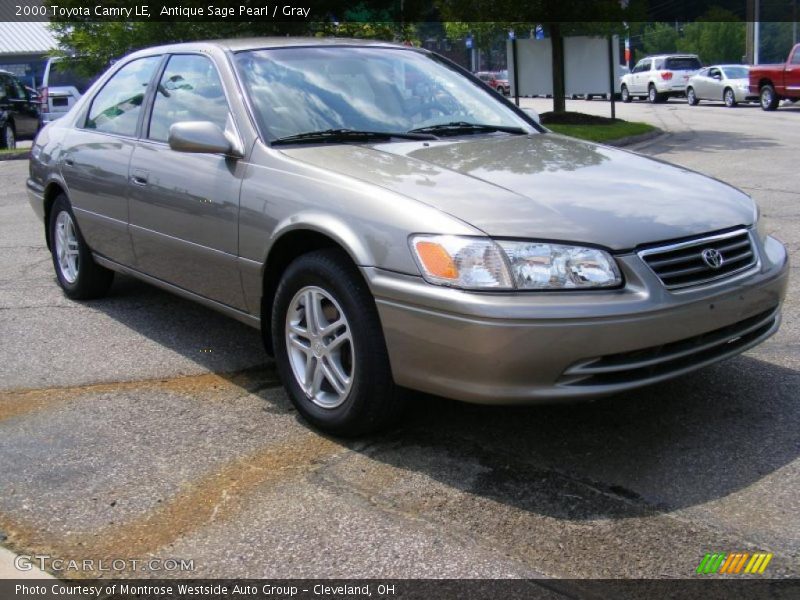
{"points": [[142, 425]]}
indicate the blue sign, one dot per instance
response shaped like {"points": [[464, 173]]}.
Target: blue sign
{"points": [[468, 41], [539, 32], [511, 35]]}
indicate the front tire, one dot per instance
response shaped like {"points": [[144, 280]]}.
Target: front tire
{"points": [[78, 275], [329, 346], [768, 98], [625, 94], [729, 98], [691, 97], [8, 138]]}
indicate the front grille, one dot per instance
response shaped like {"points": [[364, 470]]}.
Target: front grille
{"points": [[682, 264], [671, 358]]}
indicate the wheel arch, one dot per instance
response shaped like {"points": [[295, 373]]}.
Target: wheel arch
{"points": [[51, 191], [291, 242]]}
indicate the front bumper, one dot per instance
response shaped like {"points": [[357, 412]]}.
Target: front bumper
{"points": [[528, 347]]}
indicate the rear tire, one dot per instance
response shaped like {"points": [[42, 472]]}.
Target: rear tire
{"points": [[653, 96], [768, 98], [729, 98], [691, 97], [8, 137], [338, 378], [78, 275], [625, 94]]}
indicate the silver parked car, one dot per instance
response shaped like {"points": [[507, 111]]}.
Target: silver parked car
{"points": [[388, 221], [727, 83]]}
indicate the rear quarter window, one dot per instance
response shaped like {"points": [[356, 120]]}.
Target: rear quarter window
{"points": [[683, 64]]}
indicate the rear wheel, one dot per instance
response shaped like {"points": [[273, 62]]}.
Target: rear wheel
{"points": [[653, 96], [8, 138], [78, 275], [769, 100], [329, 346], [625, 94], [691, 97], [729, 98]]}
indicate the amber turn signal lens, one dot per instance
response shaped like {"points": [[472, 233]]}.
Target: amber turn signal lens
{"points": [[436, 260]]}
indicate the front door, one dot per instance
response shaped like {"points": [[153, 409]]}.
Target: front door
{"points": [[184, 207]]}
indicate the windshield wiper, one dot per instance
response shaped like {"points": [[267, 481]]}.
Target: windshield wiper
{"points": [[350, 135], [460, 127]]}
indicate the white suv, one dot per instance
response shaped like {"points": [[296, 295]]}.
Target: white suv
{"points": [[659, 77]]}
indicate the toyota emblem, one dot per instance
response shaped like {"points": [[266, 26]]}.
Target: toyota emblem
{"points": [[712, 257]]}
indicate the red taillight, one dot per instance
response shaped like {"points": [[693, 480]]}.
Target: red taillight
{"points": [[666, 75], [43, 95]]}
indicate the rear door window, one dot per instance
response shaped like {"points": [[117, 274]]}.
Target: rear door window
{"points": [[117, 106]]}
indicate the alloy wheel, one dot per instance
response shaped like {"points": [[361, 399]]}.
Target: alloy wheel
{"points": [[319, 344], [67, 251]]}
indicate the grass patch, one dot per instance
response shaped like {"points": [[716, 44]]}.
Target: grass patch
{"points": [[592, 127], [6, 154]]}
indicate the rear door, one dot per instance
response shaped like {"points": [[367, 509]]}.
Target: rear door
{"points": [[96, 158], [184, 207], [641, 73]]}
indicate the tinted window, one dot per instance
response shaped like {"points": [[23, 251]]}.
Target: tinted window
{"points": [[14, 89], [62, 75], [659, 64], [116, 107], [796, 57], [714, 73], [189, 90], [684, 63]]}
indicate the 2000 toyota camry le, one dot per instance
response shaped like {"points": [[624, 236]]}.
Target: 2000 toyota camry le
{"points": [[389, 222]]}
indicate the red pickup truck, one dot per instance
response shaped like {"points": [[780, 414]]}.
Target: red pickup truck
{"points": [[773, 83]]}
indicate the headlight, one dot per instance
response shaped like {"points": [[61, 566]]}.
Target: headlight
{"points": [[475, 263], [538, 266]]}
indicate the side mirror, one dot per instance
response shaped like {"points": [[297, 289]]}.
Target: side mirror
{"points": [[532, 114], [202, 137]]}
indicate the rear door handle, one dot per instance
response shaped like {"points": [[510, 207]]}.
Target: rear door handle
{"points": [[140, 177]]}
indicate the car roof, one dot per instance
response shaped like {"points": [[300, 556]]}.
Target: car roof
{"points": [[258, 43], [672, 56]]}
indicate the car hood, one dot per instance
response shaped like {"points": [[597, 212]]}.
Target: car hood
{"points": [[544, 186]]}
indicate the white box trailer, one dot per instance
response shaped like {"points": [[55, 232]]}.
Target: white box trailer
{"points": [[585, 66]]}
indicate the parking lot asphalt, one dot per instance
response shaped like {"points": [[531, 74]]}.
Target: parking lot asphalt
{"points": [[142, 425]]}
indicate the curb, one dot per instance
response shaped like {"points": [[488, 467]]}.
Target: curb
{"points": [[635, 139]]}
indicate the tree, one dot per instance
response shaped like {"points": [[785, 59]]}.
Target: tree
{"points": [[659, 38], [716, 37]]}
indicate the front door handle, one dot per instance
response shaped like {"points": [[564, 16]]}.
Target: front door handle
{"points": [[69, 162], [139, 177]]}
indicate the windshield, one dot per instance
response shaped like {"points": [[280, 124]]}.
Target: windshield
{"points": [[736, 72], [300, 90]]}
